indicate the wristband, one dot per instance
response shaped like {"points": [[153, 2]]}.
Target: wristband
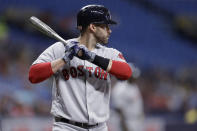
{"points": [[101, 62]]}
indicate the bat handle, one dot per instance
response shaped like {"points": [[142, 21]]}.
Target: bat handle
{"points": [[60, 39]]}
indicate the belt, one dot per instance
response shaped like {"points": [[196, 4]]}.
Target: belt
{"points": [[79, 124]]}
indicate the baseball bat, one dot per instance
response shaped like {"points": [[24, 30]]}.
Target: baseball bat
{"points": [[44, 28]]}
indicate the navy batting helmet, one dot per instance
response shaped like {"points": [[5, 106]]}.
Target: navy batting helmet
{"points": [[96, 14]]}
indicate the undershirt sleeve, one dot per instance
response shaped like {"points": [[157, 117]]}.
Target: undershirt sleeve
{"points": [[40, 72], [121, 70]]}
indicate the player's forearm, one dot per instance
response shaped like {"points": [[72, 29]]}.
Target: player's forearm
{"points": [[41, 71], [57, 64], [121, 70]]}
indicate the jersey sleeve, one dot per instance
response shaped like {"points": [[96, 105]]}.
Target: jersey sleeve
{"points": [[118, 56], [119, 62], [53, 52]]}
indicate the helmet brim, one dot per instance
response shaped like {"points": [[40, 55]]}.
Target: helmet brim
{"points": [[108, 22], [111, 22]]}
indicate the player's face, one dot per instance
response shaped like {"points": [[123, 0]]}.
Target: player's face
{"points": [[102, 33]]}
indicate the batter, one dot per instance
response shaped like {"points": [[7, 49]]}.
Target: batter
{"points": [[82, 71]]}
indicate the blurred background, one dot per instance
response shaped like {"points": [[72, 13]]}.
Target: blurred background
{"points": [[158, 36]]}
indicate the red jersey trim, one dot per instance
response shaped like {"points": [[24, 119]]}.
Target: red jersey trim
{"points": [[121, 56]]}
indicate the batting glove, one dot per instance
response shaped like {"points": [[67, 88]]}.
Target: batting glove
{"points": [[85, 54], [68, 55], [69, 51], [70, 45]]}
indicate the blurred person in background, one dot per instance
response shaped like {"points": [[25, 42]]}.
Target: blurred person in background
{"points": [[127, 104]]}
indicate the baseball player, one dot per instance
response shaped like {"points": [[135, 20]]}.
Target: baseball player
{"points": [[82, 71]]}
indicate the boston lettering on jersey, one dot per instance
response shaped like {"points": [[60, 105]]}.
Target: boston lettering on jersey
{"points": [[79, 71]]}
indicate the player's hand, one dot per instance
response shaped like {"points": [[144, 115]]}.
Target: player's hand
{"points": [[70, 45], [69, 52], [68, 55], [83, 53]]}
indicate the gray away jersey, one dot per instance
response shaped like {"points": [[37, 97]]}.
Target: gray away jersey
{"points": [[81, 90]]}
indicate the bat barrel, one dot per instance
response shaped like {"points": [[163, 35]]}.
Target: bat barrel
{"points": [[44, 28]]}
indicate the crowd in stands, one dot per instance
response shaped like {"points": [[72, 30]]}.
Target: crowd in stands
{"points": [[169, 94], [17, 96]]}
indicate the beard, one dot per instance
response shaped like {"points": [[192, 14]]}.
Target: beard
{"points": [[102, 39]]}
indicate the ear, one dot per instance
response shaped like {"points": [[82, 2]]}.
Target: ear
{"points": [[92, 27]]}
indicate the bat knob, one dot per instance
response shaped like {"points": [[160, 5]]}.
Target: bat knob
{"points": [[80, 53]]}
